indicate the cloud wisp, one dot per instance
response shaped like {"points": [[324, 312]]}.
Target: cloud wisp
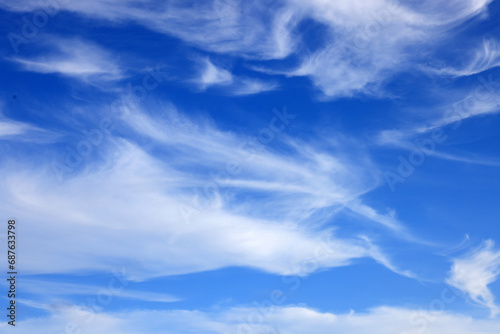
{"points": [[217, 77], [473, 273], [74, 58], [51, 289]]}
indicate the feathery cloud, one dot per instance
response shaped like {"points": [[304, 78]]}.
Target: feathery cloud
{"points": [[191, 199], [474, 272], [76, 59]]}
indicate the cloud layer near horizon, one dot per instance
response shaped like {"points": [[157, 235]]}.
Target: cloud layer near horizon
{"points": [[292, 319]]}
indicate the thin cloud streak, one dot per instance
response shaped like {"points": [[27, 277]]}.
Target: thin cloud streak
{"points": [[76, 59], [222, 79], [51, 289]]}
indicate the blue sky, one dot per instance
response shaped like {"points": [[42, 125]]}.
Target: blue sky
{"points": [[252, 167]]}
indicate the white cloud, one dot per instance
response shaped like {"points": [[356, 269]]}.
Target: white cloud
{"points": [[245, 29], [249, 29], [212, 75], [372, 40], [330, 180], [12, 128], [291, 319], [50, 290], [387, 220], [484, 58], [248, 86], [480, 101], [20, 131], [475, 271], [75, 58], [367, 42], [131, 195]]}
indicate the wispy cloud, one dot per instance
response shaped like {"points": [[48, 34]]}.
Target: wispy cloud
{"points": [[249, 86], [274, 229], [447, 119], [23, 132], [248, 29], [366, 42], [486, 57], [74, 58], [474, 272], [368, 46], [52, 289], [215, 76], [211, 186]]}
